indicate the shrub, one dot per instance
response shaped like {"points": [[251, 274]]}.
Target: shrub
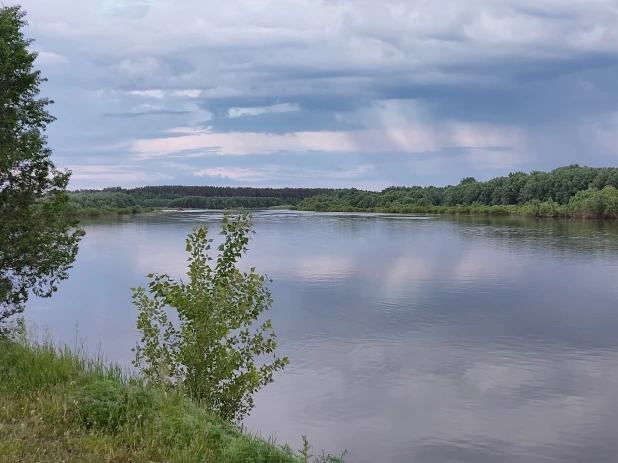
{"points": [[211, 352]]}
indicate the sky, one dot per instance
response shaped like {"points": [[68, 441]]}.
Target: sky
{"points": [[325, 93]]}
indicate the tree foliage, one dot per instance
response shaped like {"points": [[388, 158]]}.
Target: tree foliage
{"points": [[595, 203], [196, 197], [37, 242], [548, 193], [211, 352], [178, 191]]}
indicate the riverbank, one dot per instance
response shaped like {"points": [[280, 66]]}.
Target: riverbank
{"points": [[529, 211], [106, 212], [57, 405], [534, 199], [532, 211], [100, 212]]}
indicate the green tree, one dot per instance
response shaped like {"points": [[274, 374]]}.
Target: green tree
{"points": [[211, 352], [593, 203], [38, 243]]}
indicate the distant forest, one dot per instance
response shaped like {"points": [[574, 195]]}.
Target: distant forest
{"points": [[192, 197], [567, 191]]}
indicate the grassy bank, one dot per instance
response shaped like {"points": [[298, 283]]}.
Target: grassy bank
{"points": [[58, 406], [115, 211], [284, 207], [524, 211], [541, 210], [110, 211]]}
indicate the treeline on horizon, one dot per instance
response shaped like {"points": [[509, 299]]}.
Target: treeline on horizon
{"points": [[120, 200], [570, 191]]}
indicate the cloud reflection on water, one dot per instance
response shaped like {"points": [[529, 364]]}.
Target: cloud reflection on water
{"points": [[410, 340]]}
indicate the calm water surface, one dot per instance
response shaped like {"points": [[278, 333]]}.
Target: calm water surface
{"points": [[411, 339]]}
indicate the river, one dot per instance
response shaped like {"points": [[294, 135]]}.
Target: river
{"points": [[411, 339]]}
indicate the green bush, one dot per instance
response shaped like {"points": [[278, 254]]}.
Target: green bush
{"points": [[593, 203], [90, 212], [210, 354]]}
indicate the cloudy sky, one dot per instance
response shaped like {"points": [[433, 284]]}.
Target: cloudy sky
{"points": [[336, 93]]}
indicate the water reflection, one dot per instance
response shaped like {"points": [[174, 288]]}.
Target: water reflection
{"points": [[411, 338]]}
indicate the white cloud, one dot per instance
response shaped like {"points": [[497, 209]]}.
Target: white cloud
{"points": [[155, 93], [161, 93], [254, 111], [231, 173], [143, 65], [101, 176], [272, 173], [505, 29], [191, 92], [412, 139], [50, 58], [347, 174]]}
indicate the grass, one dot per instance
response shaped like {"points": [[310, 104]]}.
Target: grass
{"points": [[98, 212], [283, 207], [511, 210], [56, 405]]}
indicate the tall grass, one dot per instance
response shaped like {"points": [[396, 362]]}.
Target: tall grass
{"points": [[547, 209], [56, 404]]}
